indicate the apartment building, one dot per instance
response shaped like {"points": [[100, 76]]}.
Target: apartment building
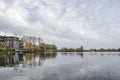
{"points": [[11, 41]]}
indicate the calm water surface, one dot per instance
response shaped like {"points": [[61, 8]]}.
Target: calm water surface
{"points": [[64, 66]]}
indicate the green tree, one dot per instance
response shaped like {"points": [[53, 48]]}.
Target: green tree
{"points": [[50, 47], [28, 45], [102, 50]]}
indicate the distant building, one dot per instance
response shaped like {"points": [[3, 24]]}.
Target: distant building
{"points": [[11, 41]]}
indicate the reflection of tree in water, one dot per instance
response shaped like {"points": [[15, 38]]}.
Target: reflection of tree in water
{"points": [[73, 54], [27, 59], [81, 54], [44, 56], [68, 53], [64, 53], [50, 55]]}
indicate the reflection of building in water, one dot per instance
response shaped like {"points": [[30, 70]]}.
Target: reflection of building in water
{"points": [[16, 58], [11, 60]]}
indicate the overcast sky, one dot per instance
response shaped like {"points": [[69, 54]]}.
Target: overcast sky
{"points": [[66, 23]]}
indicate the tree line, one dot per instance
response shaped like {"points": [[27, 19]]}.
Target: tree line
{"points": [[80, 49], [103, 50]]}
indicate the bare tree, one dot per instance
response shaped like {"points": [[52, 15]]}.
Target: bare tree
{"points": [[40, 41], [24, 39], [33, 40]]}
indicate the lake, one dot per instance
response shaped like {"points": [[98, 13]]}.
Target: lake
{"points": [[62, 66]]}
